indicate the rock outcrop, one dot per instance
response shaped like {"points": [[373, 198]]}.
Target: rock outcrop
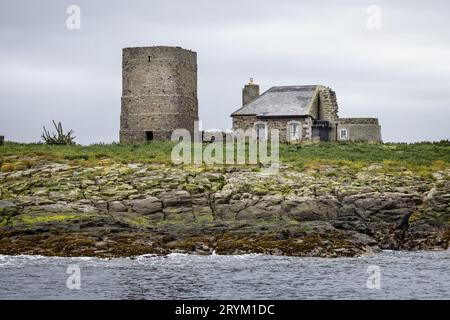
{"points": [[116, 209]]}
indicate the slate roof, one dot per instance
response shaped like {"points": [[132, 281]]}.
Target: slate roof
{"points": [[280, 101]]}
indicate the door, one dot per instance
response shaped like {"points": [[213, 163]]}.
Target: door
{"points": [[324, 134]]}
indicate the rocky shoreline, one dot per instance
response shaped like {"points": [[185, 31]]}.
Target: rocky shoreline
{"points": [[116, 209]]}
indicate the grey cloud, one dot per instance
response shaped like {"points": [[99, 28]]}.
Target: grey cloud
{"points": [[399, 73]]}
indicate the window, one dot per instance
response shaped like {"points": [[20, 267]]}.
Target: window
{"points": [[149, 135], [294, 131], [343, 134], [260, 131]]}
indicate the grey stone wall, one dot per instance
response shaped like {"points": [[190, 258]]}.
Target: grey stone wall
{"points": [[211, 136], [315, 106], [360, 129], [358, 121], [159, 92], [328, 109], [248, 122]]}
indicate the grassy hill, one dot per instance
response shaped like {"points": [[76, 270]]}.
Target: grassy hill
{"points": [[418, 157]]}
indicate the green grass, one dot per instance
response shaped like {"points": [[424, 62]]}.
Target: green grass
{"points": [[416, 153], [418, 156], [156, 152]]}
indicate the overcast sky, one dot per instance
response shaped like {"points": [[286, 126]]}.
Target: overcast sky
{"points": [[399, 73]]}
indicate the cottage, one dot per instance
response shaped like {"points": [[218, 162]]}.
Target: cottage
{"points": [[308, 112]]}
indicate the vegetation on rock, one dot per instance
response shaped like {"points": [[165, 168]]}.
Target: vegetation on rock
{"points": [[327, 200]]}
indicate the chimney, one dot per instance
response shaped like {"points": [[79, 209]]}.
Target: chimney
{"points": [[250, 92]]}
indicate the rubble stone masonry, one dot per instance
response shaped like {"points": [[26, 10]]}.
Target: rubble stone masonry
{"points": [[281, 124], [159, 93], [328, 104], [359, 129]]}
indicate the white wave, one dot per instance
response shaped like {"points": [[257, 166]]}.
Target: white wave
{"points": [[146, 256], [178, 255], [24, 256]]}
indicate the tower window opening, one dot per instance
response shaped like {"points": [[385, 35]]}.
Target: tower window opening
{"points": [[149, 135]]}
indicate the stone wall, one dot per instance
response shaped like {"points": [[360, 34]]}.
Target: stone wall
{"points": [[359, 129], [358, 121], [248, 122], [159, 93], [328, 104], [315, 106], [211, 136]]}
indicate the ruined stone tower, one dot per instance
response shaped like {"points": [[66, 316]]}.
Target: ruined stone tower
{"points": [[159, 93], [328, 104]]}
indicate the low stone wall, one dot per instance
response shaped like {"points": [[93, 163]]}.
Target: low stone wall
{"points": [[358, 120], [211, 136], [359, 129]]}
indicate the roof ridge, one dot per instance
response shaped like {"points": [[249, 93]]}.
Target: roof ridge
{"points": [[299, 85]]}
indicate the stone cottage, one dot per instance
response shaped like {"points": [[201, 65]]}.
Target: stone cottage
{"points": [[308, 112]]}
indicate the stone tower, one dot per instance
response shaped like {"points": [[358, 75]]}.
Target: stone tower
{"points": [[159, 93], [250, 92]]}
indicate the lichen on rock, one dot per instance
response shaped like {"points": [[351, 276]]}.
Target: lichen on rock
{"points": [[117, 209]]}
